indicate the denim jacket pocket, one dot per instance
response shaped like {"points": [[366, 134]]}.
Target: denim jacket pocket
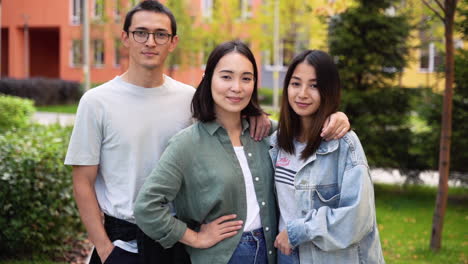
{"points": [[326, 195], [346, 255]]}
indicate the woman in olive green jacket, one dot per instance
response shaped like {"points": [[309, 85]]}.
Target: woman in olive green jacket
{"points": [[218, 177]]}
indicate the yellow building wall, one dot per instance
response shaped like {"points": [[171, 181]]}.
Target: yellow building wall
{"points": [[413, 77]]}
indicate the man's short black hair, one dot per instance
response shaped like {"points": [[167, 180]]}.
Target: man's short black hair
{"points": [[153, 6]]}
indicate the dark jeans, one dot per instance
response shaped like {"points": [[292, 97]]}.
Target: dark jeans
{"points": [[291, 259], [251, 249], [149, 251]]}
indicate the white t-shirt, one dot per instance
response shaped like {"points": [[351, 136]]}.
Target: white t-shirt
{"points": [[286, 168], [253, 220], [124, 129]]}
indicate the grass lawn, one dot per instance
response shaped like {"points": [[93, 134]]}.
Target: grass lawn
{"points": [[404, 215], [69, 109]]}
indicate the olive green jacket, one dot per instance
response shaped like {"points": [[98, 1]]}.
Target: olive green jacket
{"points": [[199, 172]]}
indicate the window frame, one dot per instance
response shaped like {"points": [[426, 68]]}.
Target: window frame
{"points": [[97, 58], [78, 49]]}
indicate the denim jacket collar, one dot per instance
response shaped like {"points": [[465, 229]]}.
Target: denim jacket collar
{"points": [[324, 148], [328, 146]]}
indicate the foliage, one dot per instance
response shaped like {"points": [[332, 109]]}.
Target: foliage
{"points": [[223, 23], [42, 90], [377, 122], [189, 36], [265, 96], [404, 217], [302, 25], [14, 112], [461, 73], [38, 212], [462, 21], [30, 261], [431, 112], [371, 45]]}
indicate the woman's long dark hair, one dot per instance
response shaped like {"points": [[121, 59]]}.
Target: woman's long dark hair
{"points": [[328, 83], [203, 103]]}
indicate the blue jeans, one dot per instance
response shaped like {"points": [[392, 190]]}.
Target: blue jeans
{"points": [[291, 259], [251, 249]]}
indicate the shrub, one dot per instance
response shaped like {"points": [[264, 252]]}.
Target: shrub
{"points": [[43, 91], [431, 112], [37, 208], [265, 95], [380, 118], [14, 112]]}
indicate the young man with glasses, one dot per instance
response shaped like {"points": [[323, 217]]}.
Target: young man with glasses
{"points": [[121, 129]]}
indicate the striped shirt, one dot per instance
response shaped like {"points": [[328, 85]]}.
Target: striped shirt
{"points": [[286, 168]]}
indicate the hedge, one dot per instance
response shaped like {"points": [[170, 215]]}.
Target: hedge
{"points": [[38, 212], [42, 90]]}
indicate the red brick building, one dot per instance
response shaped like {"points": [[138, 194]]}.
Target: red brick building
{"points": [[43, 38]]}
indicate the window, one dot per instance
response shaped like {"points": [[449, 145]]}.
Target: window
{"points": [[207, 7], [430, 59], [117, 54], [76, 53], [98, 52], [245, 9], [98, 9], [77, 14]]}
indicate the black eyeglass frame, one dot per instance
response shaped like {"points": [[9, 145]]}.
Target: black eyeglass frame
{"points": [[156, 40]]}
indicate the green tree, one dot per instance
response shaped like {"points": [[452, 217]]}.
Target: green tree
{"points": [[445, 11], [462, 22], [189, 41], [370, 42], [297, 20]]}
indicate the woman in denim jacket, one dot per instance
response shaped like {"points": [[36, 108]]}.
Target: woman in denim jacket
{"points": [[324, 189]]}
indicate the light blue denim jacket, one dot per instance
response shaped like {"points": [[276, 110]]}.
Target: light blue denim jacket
{"points": [[335, 218]]}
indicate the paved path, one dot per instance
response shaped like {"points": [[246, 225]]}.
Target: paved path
{"points": [[391, 176], [47, 118]]}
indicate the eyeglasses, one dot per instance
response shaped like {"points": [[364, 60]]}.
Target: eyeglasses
{"points": [[160, 38]]}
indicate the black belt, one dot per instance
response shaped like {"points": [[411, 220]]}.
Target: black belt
{"points": [[149, 251]]}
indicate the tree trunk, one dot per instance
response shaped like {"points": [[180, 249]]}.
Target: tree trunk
{"points": [[446, 133]]}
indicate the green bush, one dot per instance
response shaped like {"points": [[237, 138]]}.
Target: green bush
{"points": [[43, 91], [265, 96], [431, 112], [37, 208], [380, 118], [14, 112]]}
